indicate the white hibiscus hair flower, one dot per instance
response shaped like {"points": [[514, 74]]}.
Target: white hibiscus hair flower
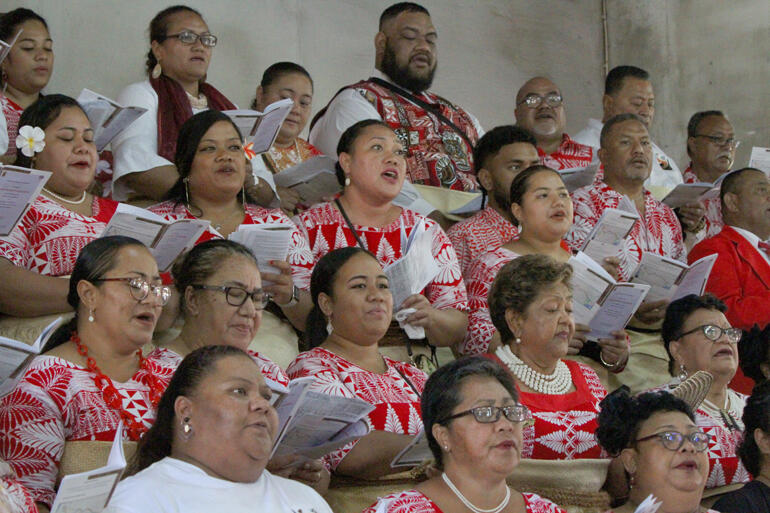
{"points": [[30, 140]]}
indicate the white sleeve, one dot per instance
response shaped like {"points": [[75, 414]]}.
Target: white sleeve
{"points": [[345, 110], [136, 148], [3, 134], [259, 170]]}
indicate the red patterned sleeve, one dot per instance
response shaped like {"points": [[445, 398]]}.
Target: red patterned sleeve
{"points": [[16, 246], [447, 290], [584, 218], [15, 498], [270, 369], [480, 327], [300, 258]]}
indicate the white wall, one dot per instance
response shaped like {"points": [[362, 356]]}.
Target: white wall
{"points": [[487, 49]]}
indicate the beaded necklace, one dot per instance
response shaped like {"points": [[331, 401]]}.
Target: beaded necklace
{"points": [[557, 383], [111, 395]]}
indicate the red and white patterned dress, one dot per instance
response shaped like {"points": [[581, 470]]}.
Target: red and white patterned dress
{"points": [[15, 496], [725, 466], [299, 254], [660, 231], [485, 231], [326, 231], [569, 155], [412, 501], [49, 237], [713, 216], [12, 113], [58, 401], [395, 394]]}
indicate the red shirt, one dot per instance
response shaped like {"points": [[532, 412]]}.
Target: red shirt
{"points": [[569, 155], [485, 231]]}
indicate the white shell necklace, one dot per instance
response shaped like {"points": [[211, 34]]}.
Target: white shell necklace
{"points": [[469, 505], [66, 200], [557, 383]]}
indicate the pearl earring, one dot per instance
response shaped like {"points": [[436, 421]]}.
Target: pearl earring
{"points": [[186, 428], [682, 373], [90, 315], [347, 181], [156, 71]]}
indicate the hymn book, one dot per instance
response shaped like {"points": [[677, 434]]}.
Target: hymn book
{"points": [[685, 193], [417, 452], [261, 128], [266, 241], [577, 177], [19, 187], [166, 240], [671, 279], [91, 491], [609, 233], [107, 117], [416, 268], [15, 357], [313, 179]]}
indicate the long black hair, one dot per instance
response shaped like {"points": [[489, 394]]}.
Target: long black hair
{"points": [[42, 113]]}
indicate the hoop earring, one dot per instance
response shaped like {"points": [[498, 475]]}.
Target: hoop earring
{"points": [[156, 71]]}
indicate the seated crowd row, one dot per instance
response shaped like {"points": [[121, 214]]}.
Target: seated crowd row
{"points": [[503, 293]]}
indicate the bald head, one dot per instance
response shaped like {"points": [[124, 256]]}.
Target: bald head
{"points": [[745, 196], [539, 109]]}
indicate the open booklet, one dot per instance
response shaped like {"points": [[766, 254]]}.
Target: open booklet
{"points": [[416, 268], [108, 118], [266, 241], [19, 187], [415, 453], [261, 128], [577, 177], [165, 239], [313, 179], [609, 233], [313, 424], [600, 302], [15, 357], [671, 279], [91, 491], [685, 193]]}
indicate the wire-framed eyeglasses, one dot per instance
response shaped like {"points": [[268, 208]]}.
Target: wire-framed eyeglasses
{"points": [[237, 296], [534, 101], [489, 414], [140, 288], [714, 333], [673, 440]]}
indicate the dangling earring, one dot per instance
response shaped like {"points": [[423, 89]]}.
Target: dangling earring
{"points": [[186, 191], [518, 340], [329, 327], [156, 71], [631, 481], [682, 373], [186, 428], [347, 181], [90, 315], [243, 196]]}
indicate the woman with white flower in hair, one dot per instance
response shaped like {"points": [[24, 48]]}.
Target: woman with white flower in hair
{"points": [[54, 135]]}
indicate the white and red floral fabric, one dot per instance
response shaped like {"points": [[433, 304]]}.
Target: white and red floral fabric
{"points": [[16, 497], [49, 237], [412, 501], [394, 394], [326, 230], [725, 466], [485, 231], [569, 155], [12, 113], [58, 401], [713, 205], [659, 232]]}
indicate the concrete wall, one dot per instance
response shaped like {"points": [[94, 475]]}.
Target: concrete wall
{"points": [[702, 54], [487, 49]]}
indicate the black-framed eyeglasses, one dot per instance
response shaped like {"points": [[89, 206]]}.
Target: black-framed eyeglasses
{"points": [[140, 288], [673, 440], [490, 414], [189, 37], [720, 140], [714, 333], [237, 296], [534, 101]]}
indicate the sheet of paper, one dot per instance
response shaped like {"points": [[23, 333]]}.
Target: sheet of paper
{"points": [[313, 179], [91, 491], [660, 273], [135, 222], [578, 177], [261, 128], [693, 280], [607, 236], [19, 186], [760, 158], [414, 271], [589, 283], [617, 308], [107, 117], [473, 205], [175, 239], [15, 356], [266, 241], [685, 193], [5, 48], [413, 454]]}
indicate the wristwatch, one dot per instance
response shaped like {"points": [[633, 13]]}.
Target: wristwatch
{"points": [[294, 297]]}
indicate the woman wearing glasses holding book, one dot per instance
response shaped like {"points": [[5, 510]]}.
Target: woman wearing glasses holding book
{"points": [[473, 423], [92, 374], [698, 337]]}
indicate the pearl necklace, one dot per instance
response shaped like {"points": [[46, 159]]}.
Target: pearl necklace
{"points": [[557, 383], [65, 200], [469, 505]]}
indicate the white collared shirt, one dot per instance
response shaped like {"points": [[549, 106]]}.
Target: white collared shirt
{"points": [[753, 240]]}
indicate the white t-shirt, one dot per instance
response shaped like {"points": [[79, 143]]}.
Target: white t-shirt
{"points": [[174, 486], [660, 182]]}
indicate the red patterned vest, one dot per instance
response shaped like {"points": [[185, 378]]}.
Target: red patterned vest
{"points": [[437, 154]]}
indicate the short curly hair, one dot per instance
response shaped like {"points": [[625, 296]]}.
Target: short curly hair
{"points": [[677, 314], [517, 285]]}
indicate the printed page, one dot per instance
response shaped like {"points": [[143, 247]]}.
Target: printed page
{"points": [[660, 273], [414, 271], [693, 280], [685, 193], [267, 241], [616, 309], [15, 356], [175, 239], [578, 177], [107, 117], [413, 454], [139, 223], [90, 491], [607, 236], [312, 179], [760, 158], [261, 128], [19, 186], [589, 283]]}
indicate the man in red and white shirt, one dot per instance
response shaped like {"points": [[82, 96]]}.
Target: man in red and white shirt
{"points": [[711, 147], [499, 155], [540, 109]]}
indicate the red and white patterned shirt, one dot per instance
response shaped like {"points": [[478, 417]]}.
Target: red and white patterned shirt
{"points": [[15, 496], [485, 231], [299, 253], [49, 237], [725, 466], [660, 231], [713, 216], [58, 401], [413, 501], [395, 394], [12, 113], [326, 231], [569, 155]]}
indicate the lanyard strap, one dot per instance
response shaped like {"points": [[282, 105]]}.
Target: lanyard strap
{"points": [[347, 221]]}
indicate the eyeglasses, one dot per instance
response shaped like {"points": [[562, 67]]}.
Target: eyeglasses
{"points": [[534, 101], [189, 38], [673, 440], [490, 414], [720, 140], [714, 333], [140, 289], [237, 296]]}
